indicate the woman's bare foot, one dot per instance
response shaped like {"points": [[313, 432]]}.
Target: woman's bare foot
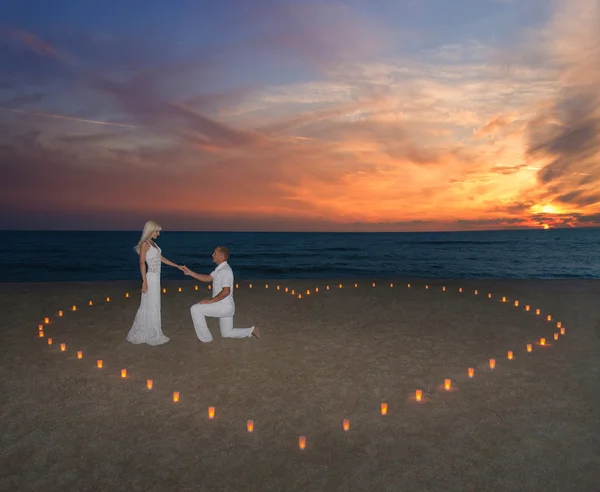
{"points": [[256, 333]]}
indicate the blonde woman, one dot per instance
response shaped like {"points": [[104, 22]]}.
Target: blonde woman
{"points": [[147, 323]]}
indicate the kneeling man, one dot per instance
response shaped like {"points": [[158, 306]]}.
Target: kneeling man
{"points": [[221, 305]]}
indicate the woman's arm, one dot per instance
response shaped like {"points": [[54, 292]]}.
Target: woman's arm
{"points": [[143, 250], [170, 263]]}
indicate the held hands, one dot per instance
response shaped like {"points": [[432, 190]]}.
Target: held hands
{"points": [[186, 270]]}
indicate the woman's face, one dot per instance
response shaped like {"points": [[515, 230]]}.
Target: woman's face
{"points": [[155, 234]]}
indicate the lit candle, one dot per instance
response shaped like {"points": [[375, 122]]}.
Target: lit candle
{"points": [[250, 285], [302, 442], [558, 324], [293, 292], [196, 287], [49, 341], [210, 287], [562, 330], [460, 289], [46, 320], [316, 289], [471, 372], [41, 334], [419, 395], [427, 286], [89, 303], [250, 425], [236, 286], [355, 285], [307, 292], [510, 355], [527, 307], [60, 313], [108, 299], [74, 308], [346, 424], [126, 294], [123, 373], [149, 384], [503, 299], [327, 287], [391, 285], [542, 341], [489, 296], [556, 336], [266, 286], [537, 311], [384, 408], [99, 364], [549, 318], [529, 347], [373, 284], [444, 288], [447, 384], [340, 286], [516, 303], [80, 354], [211, 412], [63, 347], [286, 289], [409, 286], [492, 363], [176, 396], [299, 296], [476, 292], [164, 290], [40, 327], [179, 289], [278, 288]]}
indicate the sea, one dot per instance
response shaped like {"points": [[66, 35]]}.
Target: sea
{"points": [[67, 256]]}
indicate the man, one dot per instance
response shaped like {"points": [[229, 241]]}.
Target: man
{"points": [[221, 305]]}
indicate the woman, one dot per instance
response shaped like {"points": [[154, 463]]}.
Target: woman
{"points": [[147, 323]]}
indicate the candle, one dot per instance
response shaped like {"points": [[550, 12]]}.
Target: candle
{"points": [[40, 327], [492, 363], [447, 384], [108, 299], [90, 303], [527, 307], [510, 355], [542, 341], [286, 289], [250, 285], [460, 289], [327, 287], [503, 299], [63, 347], [46, 320], [419, 395], [49, 341], [99, 364], [489, 296], [299, 296], [409, 286], [558, 324], [384, 408], [529, 347], [250, 425], [293, 292], [549, 318], [41, 334], [476, 292], [444, 288], [556, 336], [266, 286], [179, 289], [471, 372], [307, 292], [346, 424], [210, 287], [340, 286], [123, 373], [516, 303], [236, 286], [196, 287], [176, 396], [316, 289], [149, 384], [302, 442], [211, 412], [60, 313], [391, 285], [355, 285], [278, 288], [80, 354], [373, 284], [126, 294], [164, 290], [562, 330], [74, 308], [537, 311], [427, 286]]}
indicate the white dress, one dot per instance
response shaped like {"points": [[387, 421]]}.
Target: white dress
{"points": [[147, 323]]}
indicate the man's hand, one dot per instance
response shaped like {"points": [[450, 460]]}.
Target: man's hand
{"points": [[204, 301], [186, 270]]}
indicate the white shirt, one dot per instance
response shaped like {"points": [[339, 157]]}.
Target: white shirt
{"points": [[222, 277]]}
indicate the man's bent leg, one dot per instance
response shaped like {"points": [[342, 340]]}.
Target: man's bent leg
{"points": [[199, 319], [228, 331]]}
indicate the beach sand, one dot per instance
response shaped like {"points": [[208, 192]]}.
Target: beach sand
{"points": [[530, 424]]}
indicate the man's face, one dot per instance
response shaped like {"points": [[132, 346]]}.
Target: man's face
{"points": [[217, 256]]}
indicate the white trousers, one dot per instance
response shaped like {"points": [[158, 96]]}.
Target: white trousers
{"points": [[224, 310]]}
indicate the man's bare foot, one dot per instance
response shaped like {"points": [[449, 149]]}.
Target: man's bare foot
{"points": [[256, 333]]}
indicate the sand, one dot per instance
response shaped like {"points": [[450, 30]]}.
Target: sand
{"points": [[530, 424]]}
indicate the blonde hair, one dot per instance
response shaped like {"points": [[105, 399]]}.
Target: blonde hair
{"points": [[149, 228]]}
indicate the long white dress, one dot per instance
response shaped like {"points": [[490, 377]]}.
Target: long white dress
{"points": [[147, 323]]}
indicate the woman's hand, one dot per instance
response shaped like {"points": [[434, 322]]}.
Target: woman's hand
{"points": [[144, 287]]}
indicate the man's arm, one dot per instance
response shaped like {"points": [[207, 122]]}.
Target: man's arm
{"points": [[197, 276]]}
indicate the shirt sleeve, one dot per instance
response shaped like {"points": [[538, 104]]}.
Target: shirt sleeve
{"points": [[227, 279]]}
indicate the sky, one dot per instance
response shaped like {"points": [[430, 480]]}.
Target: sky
{"points": [[280, 115]]}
